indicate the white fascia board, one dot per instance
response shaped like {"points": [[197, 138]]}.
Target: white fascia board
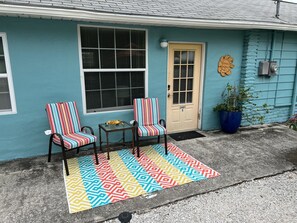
{"points": [[91, 16]]}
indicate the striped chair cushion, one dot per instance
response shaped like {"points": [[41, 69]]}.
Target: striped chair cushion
{"points": [[151, 130], [146, 111], [63, 117], [74, 140]]}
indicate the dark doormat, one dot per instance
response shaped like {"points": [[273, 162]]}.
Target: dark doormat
{"points": [[185, 135]]}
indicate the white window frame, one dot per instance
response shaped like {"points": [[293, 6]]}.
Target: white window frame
{"points": [[8, 75], [82, 70]]}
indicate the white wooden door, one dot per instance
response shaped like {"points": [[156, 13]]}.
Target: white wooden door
{"points": [[184, 68]]}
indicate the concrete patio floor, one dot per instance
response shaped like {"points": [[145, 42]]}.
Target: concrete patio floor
{"points": [[32, 190]]}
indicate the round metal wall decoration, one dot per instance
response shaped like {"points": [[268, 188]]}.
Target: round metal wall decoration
{"points": [[225, 65]]}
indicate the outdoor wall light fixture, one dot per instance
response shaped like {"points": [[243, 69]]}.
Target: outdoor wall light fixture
{"points": [[163, 43]]}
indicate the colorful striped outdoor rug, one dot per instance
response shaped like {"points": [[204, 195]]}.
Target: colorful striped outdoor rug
{"points": [[126, 176]]}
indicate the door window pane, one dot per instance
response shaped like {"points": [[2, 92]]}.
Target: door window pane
{"points": [[123, 38], [184, 57], [182, 84], [191, 57], [137, 39], [175, 98], [176, 57], [107, 58], [190, 71], [176, 85], [176, 71], [106, 38], [89, 37], [190, 84], [189, 97], [183, 70], [90, 58], [182, 97]]}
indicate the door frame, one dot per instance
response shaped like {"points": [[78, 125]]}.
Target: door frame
{"points": [[202, 74]]}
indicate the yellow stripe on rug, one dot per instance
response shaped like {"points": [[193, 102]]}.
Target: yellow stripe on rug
{"points": [[164, 165], [128, 181], [76, 193]]}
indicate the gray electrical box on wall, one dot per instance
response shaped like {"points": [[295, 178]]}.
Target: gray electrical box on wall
{"points": [[267, 68]]}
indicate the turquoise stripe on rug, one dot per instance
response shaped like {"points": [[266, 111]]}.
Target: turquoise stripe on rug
{"points": [[92, 183], [144, 179], [179, 164]]}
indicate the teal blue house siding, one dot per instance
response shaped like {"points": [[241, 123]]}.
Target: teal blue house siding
{"points": [[278, 91], [44, 56]]}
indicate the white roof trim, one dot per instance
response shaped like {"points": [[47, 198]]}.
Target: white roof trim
{"points": [[91, 16]]}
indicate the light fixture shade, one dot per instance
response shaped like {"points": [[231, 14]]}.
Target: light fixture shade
{"points": [[164, 43]]}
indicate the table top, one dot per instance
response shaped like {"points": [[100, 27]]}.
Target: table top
{"points": [[122, 126]]}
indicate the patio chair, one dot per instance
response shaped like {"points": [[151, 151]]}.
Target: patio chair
{"points": [[66, 130], [147, 121]]}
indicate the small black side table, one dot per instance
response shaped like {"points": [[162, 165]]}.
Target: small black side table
{"points": [[123, 126]]}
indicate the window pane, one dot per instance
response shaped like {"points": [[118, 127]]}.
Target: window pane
{"points": [[123, 58], [5, 101], [176, 71], [183, 70], [184, 57], [124, 97], [175, 98], [191, 57], [137, 39], [183, 85], [108, 80], [1, 47], [106, 37], [138, 93], [107, 58], [190, 84], [2, 65], [182, 98], [176, 85], [190, 70], [93, 99], [138, 59], [89, 37], [123, 80], [189, 97], [4, 85], [108, 98], [90, 58], [123, 38], [176, 57], [92, 81], [137, 79]]}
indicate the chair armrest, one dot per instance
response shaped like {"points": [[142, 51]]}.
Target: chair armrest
{"points": [[59, 136], [88, 127], [162, 122], [135, 124]]}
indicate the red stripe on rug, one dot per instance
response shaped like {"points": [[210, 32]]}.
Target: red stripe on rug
{"points": [[195, 164], [110, 183], [155, 172]]}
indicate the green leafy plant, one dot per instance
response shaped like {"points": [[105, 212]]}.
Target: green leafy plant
{"points": [[292, 122], [239, 99]]}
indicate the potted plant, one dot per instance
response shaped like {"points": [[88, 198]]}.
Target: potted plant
{"points": [[238, 103]]}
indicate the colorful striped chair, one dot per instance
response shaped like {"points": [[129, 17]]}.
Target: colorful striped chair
{"points": [[147, 120], [66, 130]]}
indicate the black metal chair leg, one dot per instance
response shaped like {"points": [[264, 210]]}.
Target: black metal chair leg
{"points": [[65, 161], [165, 139], [158, 139], [50, 148], [95, 151], [137, 142]]}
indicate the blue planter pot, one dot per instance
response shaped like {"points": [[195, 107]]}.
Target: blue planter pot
{"points": [[230, 121]]}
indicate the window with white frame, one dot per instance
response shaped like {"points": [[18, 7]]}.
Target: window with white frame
{"points": [[7, 100], [114, 66]]}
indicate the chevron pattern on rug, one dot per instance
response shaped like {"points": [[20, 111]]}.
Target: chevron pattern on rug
{"points": [[125, 176]]}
